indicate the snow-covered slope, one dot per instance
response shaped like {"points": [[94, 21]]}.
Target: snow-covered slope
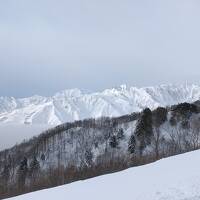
{"points": [[73, 104], [174, 178]]}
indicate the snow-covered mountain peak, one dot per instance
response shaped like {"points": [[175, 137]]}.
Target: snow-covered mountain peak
{"points": [[73, 104], [69, 93]]}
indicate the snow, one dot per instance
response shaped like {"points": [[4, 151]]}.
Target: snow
{"points": [[23, 118], [174, 178], [70, 105]]}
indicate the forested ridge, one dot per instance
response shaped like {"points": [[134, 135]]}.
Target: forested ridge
{"points": [[91, 147]]}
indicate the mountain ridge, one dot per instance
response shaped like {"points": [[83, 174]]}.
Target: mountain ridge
{"points": [[74, 104]]}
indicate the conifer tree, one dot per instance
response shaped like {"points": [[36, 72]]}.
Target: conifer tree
{"points": [[113, 141], [132, 144]]}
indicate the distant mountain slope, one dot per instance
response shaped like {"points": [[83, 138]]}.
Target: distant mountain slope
{"points": [[73, 104], [91, 147], [175, 178]]}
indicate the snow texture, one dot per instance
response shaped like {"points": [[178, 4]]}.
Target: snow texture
{"points": [[174, 178], [70, 105]]}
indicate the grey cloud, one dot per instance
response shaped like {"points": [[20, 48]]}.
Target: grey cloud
{"points": [[49, 45]]}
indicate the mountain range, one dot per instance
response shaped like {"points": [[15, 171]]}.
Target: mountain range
{"points": [[74, 104]]}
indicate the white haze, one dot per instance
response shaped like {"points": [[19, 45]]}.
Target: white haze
{"points": [[49, 45], [12, 134]]}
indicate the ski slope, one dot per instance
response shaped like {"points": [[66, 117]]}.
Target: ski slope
{"points": [[174, 178], [74, 104]]}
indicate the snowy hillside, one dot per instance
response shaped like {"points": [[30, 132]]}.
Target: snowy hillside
{"points": [[74, 104], [174, 178], [89, 148]]}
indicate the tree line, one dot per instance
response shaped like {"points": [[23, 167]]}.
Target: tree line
{"points": [[92, 147]]}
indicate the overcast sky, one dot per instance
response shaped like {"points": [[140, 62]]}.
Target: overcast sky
{"points": [[50, 45]]}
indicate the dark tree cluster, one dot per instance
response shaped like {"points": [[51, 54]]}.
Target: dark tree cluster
{"points": [[132, 144], [113, 141], [185, 108], [182, 112], [144, 129], [159, 116]]}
